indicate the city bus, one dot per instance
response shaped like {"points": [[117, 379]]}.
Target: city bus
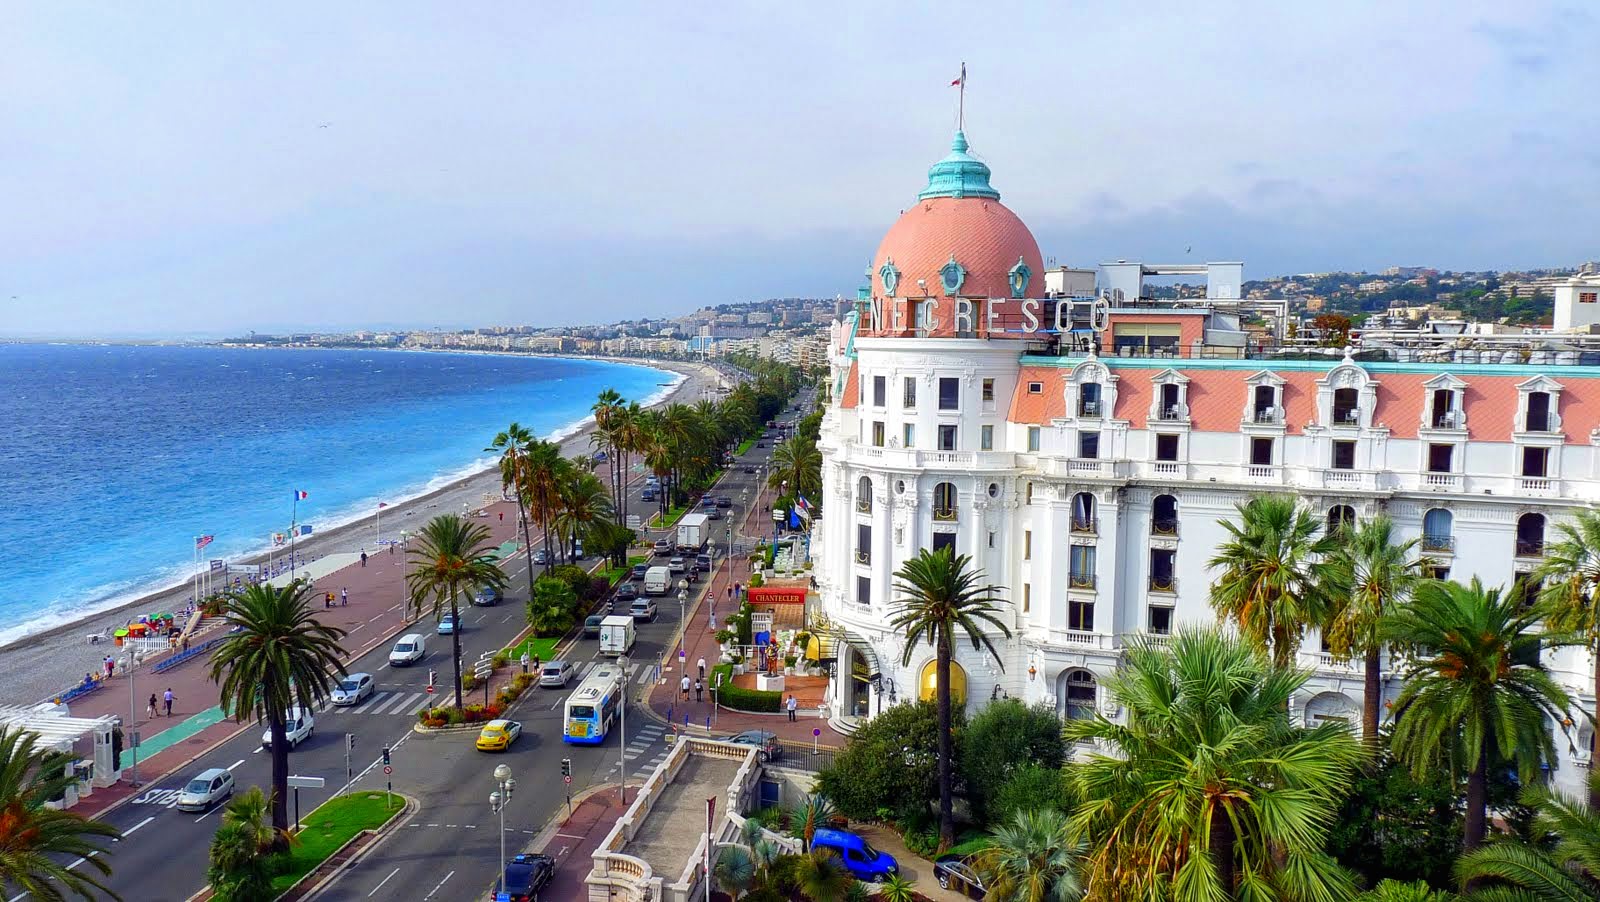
{"points": [[592, 707]]}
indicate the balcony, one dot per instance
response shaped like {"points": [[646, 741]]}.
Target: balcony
{"points": [[863, 556], [1083, 638], [1162, 526], [1163, 583], [1444, 482], [1088, 408], [1085, 526], [1448, 420], [1172, 413], [1530, 548], [1169, 468], [1080, 580], [1346, 416], [1091, 466], [1323, 660], [1536, 485], [864, 506], [1263, 473], [1439, 544], [944, 514], [1268, 416], [1349, 479]]}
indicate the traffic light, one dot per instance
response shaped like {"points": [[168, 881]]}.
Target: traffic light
{"points": [[350, 741], [385, 756], [433, 678], [566, 767]]}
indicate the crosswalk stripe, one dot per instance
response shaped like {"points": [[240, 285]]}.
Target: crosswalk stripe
{"points": [[375, 699], [588, 666], [422, 704], [398, 697], [645, 675]]}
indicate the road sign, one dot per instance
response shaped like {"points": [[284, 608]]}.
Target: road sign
{"points": [[306, 782], [388, 769], [502, 897], [815, 732], [566, 779], [430, 689]]}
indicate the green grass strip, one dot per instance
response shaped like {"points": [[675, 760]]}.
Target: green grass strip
{"points": [[544, 648], [332, 825]]}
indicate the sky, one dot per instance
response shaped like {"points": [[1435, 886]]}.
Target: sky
{"points": [[210, 168]]}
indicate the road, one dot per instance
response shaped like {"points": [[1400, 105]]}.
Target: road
{"points": [[450, 848]]}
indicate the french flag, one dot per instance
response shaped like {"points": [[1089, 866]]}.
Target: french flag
{"points": [[301, 496]]}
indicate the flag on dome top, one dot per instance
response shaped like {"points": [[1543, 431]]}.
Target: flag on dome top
{"points": [[963, 79], [202, 541]]}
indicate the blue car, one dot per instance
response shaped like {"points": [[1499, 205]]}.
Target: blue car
{"points": [[860, 859]]}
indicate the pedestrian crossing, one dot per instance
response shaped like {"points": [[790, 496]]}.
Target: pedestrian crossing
{"points": [[645, 750], [404, 701], [639, 674]]}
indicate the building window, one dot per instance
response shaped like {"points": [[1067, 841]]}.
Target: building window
{"points": [[1078, 695], [877, 434], [864, 494], [1035, 388], [1080, 616], [1588, 297], [991, 538], [909, 435], [1163, 570], [1536, 462], [1027, 597], [1439, 458], [1089, 445], [1030, 493], [1436, 530], [1344, 455], [986, 438], [1340, 518], [1438, 573], [1171, 406], [880, 391], [1265, 404], [1033, 438], [942, 540], [1442, 414], [863, 590], [908, 397], [1160, 620], [1089, 399], [1166, 447], [988, 391], [1530, 535], [1538, 418], [1081, 567], [863, 543], [1027, 544], [949, 393], [928, 683], [1346, 407], [1164, 516], [944, 501], [1083, 513], [1261, 452], [947, 438]]}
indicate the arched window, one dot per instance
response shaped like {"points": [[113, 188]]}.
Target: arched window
{"points": [[1164, 516], [1346, 407], [1077, 691], [1340, 518], [1530, 535], [928, 683], [944, 501], [1436, 530], [864, 494], [1083, 513]]}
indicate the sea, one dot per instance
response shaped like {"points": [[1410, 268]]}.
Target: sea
{"points": [[115, 458]]}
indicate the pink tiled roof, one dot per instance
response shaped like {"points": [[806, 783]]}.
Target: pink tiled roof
{"points": [[852, 387], [983, 235]]}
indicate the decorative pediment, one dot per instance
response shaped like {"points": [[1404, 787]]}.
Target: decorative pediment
{"points": [[1540, 382], [1444, 381], [1170, 376], [1264, 377], [1346, 375]]}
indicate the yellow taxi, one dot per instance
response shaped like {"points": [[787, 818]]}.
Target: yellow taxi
{"points": [[497, 735]]}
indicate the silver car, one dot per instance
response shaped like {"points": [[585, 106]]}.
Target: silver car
{"points": [[207, 788], [555, 674], [352, 689]]}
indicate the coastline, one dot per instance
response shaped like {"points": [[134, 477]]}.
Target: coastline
{"points": [[37, 664]]}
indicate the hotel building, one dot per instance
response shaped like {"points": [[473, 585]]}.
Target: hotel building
{"points": [[1082, 441]]}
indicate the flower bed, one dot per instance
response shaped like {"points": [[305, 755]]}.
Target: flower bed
{"points": [[451, 717]]}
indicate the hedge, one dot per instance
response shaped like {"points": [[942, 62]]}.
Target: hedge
{"points": [[741, 699]]}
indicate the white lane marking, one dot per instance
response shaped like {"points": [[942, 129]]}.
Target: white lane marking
{"points": [[235, 764], [375, 699], [398, 697], [382, 882], [130, 831], [441, 885], [586, 668], [426, 698], [256, 750]]}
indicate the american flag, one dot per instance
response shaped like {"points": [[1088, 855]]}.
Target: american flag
{"points": [[202, 541]]}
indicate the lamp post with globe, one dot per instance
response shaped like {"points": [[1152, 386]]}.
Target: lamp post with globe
{"points": [[498, 800]]}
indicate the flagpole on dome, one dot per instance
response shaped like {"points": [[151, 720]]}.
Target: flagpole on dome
{"points": [[961, 98]]}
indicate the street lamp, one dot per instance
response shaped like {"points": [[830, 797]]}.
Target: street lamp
{"points": [[683, 597], [622, 743], [498, 801], [133, 734]]}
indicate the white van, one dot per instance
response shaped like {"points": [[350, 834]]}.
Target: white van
{"points": [[411, 648], [616, 635], [297, 728], [656, 581]]}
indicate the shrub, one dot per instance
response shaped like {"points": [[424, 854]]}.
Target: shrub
{"points": [[576, 578], [757, 580], [1029, 787], [480, 713], [887, 769], [469, 682], [724, 636], [740, 699], [500, 660], [554, 607], [1003, 738], [522, 681]]}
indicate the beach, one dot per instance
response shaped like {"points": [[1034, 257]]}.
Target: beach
{"points": [[40, 665]]}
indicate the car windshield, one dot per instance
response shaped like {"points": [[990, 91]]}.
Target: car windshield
{"points": [[199, 785], [349, 685], [868, 852], [404, 646]]}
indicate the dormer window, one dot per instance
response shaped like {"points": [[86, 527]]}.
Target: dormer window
{"points": [[1539, 405], [1538, 412], [1091, 391], [1346, 407], [1264, 401], [1169, 401], [1089, 400], [1346, 397], [1442, 407]]}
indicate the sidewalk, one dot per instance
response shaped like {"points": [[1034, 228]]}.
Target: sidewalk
{"points": [[574, 840]]}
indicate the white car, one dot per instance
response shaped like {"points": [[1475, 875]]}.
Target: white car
{"points": [[207, 788], [411, 648], [352, 689], [676, 565], [297, 728], [555, 674]]}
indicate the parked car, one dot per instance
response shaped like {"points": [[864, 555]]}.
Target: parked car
{"points": [[555, 674], [447, 624], [768, 748], [206, 789], [627, 592], [676, 565], [860, 859], [638, 571], [298, 725], [486, 596], [644, 609], [352, 689], [954, 872], [497, 735], [663, 546], [591, 626], [526, 875]]}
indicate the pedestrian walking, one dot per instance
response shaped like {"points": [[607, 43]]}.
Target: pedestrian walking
{"points": [[699, 688], [524, 662], [167, 699], [344, 597], [702, 665], [363, 557], [111, 666], [684, 685], [150, 712], [327, 600], [502, 516], [391, 548], [791, 706]]}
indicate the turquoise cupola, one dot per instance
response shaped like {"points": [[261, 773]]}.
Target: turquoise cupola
{"points": [[959, 175]]}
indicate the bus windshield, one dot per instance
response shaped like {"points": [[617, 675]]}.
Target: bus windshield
{"points": [[581, 712]]}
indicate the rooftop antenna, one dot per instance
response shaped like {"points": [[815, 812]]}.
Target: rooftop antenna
{"points": [[961, 98]]}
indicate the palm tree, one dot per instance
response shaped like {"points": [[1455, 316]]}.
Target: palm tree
{"points": [[37, 841], [1368, 575], [1474, 691], [240, 864], [546, 468], [938, 596], [1571, 595], [798, 464], [452, 560], [821, 876], [1209, 791], [1397, 891], [280, 657], [735, 870], [810, 814], [896, 888], [629, 442], [1567, 872], [606, 409], [513, 445], [1032, 859], [1270, 575], [584, 505]]}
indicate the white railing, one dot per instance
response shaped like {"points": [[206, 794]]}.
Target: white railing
{"points": [[1348, 479], [1083, 638], [1260, 473], [1539, 484], [1447, 482], [1169, 468], [1323, 660]]}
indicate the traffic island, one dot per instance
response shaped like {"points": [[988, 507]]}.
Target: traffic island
{"points": [[333, 836]]}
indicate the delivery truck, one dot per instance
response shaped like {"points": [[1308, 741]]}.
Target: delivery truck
{"points": [[693, 533], [616, 635], [656, 580]]}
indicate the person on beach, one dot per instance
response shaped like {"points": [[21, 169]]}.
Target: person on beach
{"points": [[167, 698], [791, 706], [150, 712]]}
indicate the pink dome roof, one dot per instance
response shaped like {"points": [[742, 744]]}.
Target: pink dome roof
{"points": [[981, 234]]}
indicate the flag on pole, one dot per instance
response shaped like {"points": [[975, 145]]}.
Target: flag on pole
{"points": [[383, 504], [301, 496], [202, 541], [963, 77], [802, 506]]}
